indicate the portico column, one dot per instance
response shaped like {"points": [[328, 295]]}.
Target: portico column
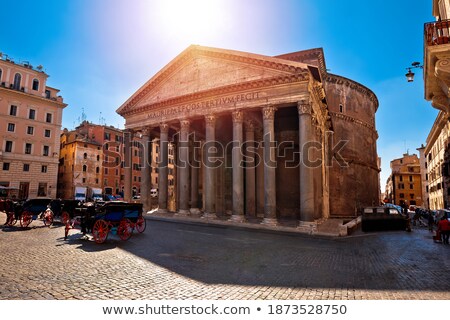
{"points": [[306, 171], [183, 169], [195, 165], [270, 203], [210, 179], [145, 172], [128, 165], [238, 170], [250, 170], [163, 167]]}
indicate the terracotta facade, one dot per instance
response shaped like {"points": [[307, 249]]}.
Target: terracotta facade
{"points": [[30, 126]]}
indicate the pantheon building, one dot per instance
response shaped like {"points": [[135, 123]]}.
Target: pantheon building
{"points": [[255, 137]]}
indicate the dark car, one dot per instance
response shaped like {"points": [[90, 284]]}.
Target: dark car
{"points": [[382, 218]]}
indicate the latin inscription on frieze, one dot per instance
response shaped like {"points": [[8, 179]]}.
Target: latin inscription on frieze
{"points": [[204, 105]]}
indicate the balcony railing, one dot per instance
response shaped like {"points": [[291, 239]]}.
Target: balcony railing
{"points": [[437, 32]]}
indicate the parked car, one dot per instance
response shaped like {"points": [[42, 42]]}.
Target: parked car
{"points": [[382, 218]]}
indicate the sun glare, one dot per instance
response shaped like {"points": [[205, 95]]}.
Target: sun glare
{"points": [[191, 20]]}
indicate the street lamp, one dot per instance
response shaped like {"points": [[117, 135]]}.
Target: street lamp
{"points": [[410, 75]]}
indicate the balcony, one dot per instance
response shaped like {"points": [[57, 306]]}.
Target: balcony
{"points": [[437, 64], [437, 32]]}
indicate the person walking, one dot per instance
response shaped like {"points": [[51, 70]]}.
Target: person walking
{"points": [[430, 220], [444, 229]]}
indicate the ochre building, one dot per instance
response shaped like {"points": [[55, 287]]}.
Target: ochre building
{"points": [[257, 137]]}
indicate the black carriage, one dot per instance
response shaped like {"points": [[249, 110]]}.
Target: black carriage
{"points": [[118, 217], [32, 209], [62, 210]]}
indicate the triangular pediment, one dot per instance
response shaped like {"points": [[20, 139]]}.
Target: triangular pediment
{"points": [[199, 69]]}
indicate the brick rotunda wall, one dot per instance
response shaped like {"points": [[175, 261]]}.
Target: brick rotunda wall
{"points": [[352, 107]]}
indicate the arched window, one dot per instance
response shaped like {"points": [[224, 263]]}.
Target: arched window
{"points": [[84, 168], [35, 84], [341, 108], [17, 80], [85, 155]]}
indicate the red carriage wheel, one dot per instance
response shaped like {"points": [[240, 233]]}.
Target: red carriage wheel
{"points": [[48, 217], [25, 219], [10, 219], [125, 229], [100, 231], [65, 217], [140, 224]]}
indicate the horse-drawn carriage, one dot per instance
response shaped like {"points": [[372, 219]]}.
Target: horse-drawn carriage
{"points": [[120, 218], [62, 210], [25, 212]]}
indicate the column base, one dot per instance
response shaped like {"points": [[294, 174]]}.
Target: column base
{"points": [[182, 212], [307, 226], [209, 215], [195, 211], [237, 218], [270, 222]]}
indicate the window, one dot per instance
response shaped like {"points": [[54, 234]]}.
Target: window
{"points": [[402, 195], [341, 108], [85, 155], [46, 151], [17, 80], [106, 170], [28, 147], [32, 114], [0, 74], [44, 169], [30, 130], [35, 84], [411, 195], [47, 94], [5, 166], [411, 186], [410, 178], [98, 158], [11, 127], [8, 146], [97, 170], [13, 110], [96, 180], [84, 168], [26, 167], [84, 180], [401, 178], [107, 136], [42, 189], [47, 133], [48, 118]]}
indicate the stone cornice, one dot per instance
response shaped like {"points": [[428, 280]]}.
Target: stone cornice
{"points": [[332, 78], [38, 98], [193, 51], [351, 119], [301, 56], [201, 95]]}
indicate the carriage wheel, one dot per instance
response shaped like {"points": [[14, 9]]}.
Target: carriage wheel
{"points": [[10, 219], [48, 217], [65, 217], [100, 231], [140, 224], [25, 219], [125, 229]]}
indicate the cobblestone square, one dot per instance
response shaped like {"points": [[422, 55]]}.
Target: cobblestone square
{"points": [[179, 261]]}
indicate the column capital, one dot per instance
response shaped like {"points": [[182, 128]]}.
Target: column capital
{"points": [[238, 116], [304, 107], [210, 119], [164, 127], [185, 123], [269, 112], [145, 131]]}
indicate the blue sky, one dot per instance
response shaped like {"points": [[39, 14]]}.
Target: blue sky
{"points": [[99, 52]]}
